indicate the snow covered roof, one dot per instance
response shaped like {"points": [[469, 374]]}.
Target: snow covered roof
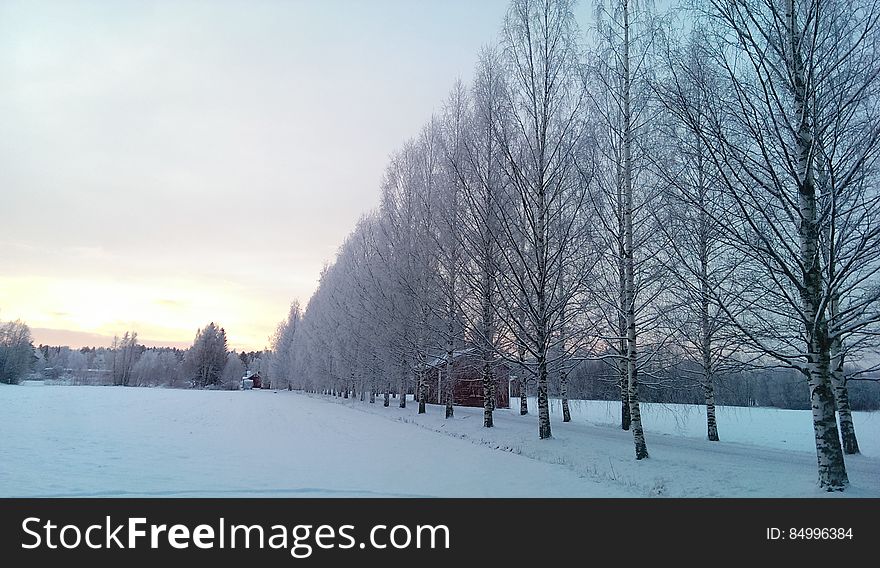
{"points": [[439, 360]]}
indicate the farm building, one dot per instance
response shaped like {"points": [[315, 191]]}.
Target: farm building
{"points": [[467, 387], [252, 380]]}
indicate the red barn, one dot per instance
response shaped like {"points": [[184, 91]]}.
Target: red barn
{"points": [[467, 386], [255, 377]]}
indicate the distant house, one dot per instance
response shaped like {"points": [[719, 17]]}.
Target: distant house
{"points": [[252, 381], [467, 376]]}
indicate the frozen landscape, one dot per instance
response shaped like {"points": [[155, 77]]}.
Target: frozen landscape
{"points": [[576, 200], [153, 442]]}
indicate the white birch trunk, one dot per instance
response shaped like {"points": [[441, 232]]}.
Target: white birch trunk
{"points": [[832, 470], [448, 384], [629, 275], [404, 376], [563, 380], [523, 381], [705, 302], [542, 332], [841, 397], [421, 387]]}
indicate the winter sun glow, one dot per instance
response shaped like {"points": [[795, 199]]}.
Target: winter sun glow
{"points": [[164, 165]]}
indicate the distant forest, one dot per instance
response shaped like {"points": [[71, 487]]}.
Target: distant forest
{"points": [[208, 363]]}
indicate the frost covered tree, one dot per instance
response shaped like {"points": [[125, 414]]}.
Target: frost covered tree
{"points": [[206, 359], [795, 139], [407, 225], [545, 98], [702, 264], [628, 289], [284, 347], [434, 280], [124, 355], [233, 371], [16, 351], [156, 366], [451, 236], [474, 121]]}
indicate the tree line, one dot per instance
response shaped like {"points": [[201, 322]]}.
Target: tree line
{"points": [[688, 195], [208, 363]]}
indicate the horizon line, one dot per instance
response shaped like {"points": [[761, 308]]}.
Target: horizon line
{"points": [[75, 339]]}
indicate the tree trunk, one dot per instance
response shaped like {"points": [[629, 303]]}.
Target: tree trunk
{"points": [[488, 421], [523, 382], [832, 469], [386, 400], [487, 331], [448, 386], [636, 416], [422, 390], [705, 329], [622, 381], [847, 429], [403, 386], [620, 363], [709, 393], [841, 392], [492, 389], [631, 360], [543, 403], [563, 382], [542, 321]]}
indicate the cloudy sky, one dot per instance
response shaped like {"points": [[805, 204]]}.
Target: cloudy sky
{"points": [[168, 164]]}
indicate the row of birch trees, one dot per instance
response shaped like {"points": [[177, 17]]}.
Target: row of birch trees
{"points": [[700, 182]]}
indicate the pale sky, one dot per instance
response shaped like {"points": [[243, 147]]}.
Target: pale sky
{"points": [[168, 164]]}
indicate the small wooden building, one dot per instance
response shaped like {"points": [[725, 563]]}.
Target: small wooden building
{"points": [[467, 376], [254, 381]]}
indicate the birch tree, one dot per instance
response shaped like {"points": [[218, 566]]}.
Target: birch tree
{"points": [[545, 97], [16, 351], [699, 260], [625, 33], [475, 121], [800, 79], [125, 352], [434, 281], [409, 193], [284, 347]]}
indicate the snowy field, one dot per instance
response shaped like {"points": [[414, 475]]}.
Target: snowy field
{"points": [[106, 441]]}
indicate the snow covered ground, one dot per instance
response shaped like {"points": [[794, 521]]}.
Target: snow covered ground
{"points": [[764, 452], [111, 441], [768, 427]]}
